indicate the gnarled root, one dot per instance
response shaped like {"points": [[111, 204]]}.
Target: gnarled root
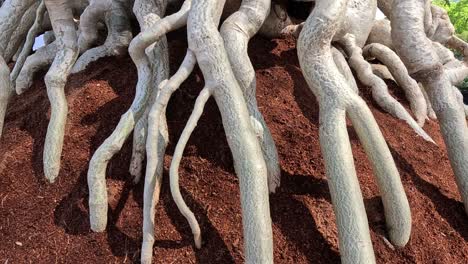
{"points": [[236, 31], [335, 100], [399, 72], [6, 91], [61, 16], [100, 159], [155, 149], [29, 42], [205, 41], [379, 88], [422, 62], [118, 27], [40, 59]]}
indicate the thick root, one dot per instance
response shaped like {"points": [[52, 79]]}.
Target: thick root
{"points": [[118, 39], [382, 72], [236, 31], [100, 159], [379, 88], [61, 16], [205, 41], [399, 72], [416, 51], [344, 68], [335, 99]]}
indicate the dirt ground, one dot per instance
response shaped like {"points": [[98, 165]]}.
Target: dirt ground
{"points": [[48, 223]]}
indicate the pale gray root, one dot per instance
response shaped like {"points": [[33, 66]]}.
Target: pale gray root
{"points": [[49, 37], [94, 13], [379, 88], [336, 98], [382, 72], [236, 32], [430, 112], [459, 96], [381, 33], [150, 34], [100, 159], [206, 42], [61, 17], [29, 42], [6, 91], [343, 67], [11, 14], [398, 70], [43, 57], [174, 169], [118, 37], [15, 57], [21, 30], [457, 75], [278, 23], [155, 149], [416, 51], [358, 21]]}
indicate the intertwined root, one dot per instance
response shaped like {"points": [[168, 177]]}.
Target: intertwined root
{"points": [[236, 32], [207, 44], [379, 88], [400, 74], [118, 26], [100, 159], [419, 56], [336, 99]]}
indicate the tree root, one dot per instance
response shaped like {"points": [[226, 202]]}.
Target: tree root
{"points": [[335, 100], [100, 159], [236, 32], [402, 78], [205, 41], [417, 52], [118, 27], [379, 88], [61, 17]]}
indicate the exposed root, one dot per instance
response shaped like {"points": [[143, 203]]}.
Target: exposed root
{"points": [[236, 31], [205, 41], [155, 149], [6, 91], [30, 38], [379, 88], [119, 33], [399, 72], [61, 16], [417, 52], [335, 100], [174, 170], [42, 58], [382, 72], [344, 69], [430, 111], [100, 159]]}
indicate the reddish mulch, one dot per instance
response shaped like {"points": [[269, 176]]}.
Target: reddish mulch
{"points": [[47, 223]]}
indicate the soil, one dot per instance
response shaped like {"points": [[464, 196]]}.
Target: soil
{"points": [[48, 223]]}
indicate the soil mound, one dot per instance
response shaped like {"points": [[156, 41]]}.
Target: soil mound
{"points": [[48, 223]]}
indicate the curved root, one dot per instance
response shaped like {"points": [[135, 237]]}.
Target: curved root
{"points": [[174, 170], [236, 32], [416, 51], [335, 100], [379, 88], [399, 72]]}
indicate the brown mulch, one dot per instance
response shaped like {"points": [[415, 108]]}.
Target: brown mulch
{"points": [[48, 223]]}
